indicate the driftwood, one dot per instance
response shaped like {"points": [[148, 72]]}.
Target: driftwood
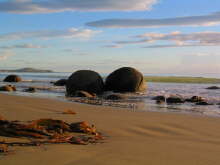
{"points": [[47, 131]]}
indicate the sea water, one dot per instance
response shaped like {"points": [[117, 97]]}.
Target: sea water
{"points": [[142, 101]]}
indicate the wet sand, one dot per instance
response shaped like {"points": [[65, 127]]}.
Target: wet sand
{"points": [[133, 138]]}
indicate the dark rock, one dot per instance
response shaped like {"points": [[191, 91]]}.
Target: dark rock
{"points": [[115, 97], [85, 80], [31, 90], [174, 100], [12, 78], [61, 82], [84, 94], [125, 79], [203, 103], [161, 98], [8, 88], [213, 87], [195, 99]]}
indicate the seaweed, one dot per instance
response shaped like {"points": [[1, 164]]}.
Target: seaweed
{"points": [[47, 131]]}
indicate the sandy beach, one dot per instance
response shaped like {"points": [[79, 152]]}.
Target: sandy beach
{"points": [[132, 138]]}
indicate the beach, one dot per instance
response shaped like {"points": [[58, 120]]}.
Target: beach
{"points": [[131, 138]]}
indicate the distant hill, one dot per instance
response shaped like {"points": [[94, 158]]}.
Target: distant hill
{"points": [[28, 70]]}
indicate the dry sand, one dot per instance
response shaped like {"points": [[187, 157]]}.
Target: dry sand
{"points": [[134, 138]]}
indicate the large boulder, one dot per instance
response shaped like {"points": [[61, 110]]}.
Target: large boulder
{"points": [[84, 80], [12, 78], [125, 79]]}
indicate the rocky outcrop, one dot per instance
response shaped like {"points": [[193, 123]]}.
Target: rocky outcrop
{"points": [[12, 78], [84, 80], [125, 79]]}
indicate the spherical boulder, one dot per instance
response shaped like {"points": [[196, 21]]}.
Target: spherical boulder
{"points": [[12, 78], [61, 82], [125, 79], [84, 80]]}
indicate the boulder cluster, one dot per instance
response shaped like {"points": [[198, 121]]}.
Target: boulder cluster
{"points": [[125, 79]]}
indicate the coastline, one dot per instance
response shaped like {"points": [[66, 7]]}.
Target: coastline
{"points": [[132, 137]]}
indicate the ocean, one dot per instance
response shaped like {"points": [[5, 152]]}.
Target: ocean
{"points": [[137, 102]]}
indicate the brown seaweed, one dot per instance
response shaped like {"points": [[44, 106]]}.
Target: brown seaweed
{"points": [[47, 131]]}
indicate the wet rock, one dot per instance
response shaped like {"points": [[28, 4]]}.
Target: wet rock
{"points": [[12, 78], [115, 97], [125, 79], [84, 94], [61, 82], [8, 88], [84, 80], [31, 90], [195, 99], [162, 98], [203, 103], [174, 100], [213, 87]]}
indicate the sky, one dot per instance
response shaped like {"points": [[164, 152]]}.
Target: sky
{"points": [[169, 37]]}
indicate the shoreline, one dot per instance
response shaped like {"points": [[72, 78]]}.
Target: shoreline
{"points": [[131, 137]]}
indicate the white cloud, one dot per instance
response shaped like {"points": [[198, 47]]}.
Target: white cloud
{"points": [[50, 6], [25, 46], [112, 46], [177, 39], [50, 34], [204, 20]]}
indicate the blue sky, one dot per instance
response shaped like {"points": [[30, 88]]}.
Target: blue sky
{"points": [[154, 36]]}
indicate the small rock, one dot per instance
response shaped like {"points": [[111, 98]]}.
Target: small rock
{"points": [[213, 87], [12, 78], [31, 90], [8, 88], [161, 98], [61, 82], [174, 100], [195, 99], [203, 103], [115, 97]]}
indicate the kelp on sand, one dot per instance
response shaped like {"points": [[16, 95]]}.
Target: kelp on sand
{"points": [[47, 131]]}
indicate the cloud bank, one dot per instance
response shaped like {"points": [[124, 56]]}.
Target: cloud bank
{"points": [[177, 39], [49, 34], [204, 20], [50, 6]]}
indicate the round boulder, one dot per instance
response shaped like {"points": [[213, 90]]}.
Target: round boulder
{"points": [[12, 78], [84, 80], [125, 79]]}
